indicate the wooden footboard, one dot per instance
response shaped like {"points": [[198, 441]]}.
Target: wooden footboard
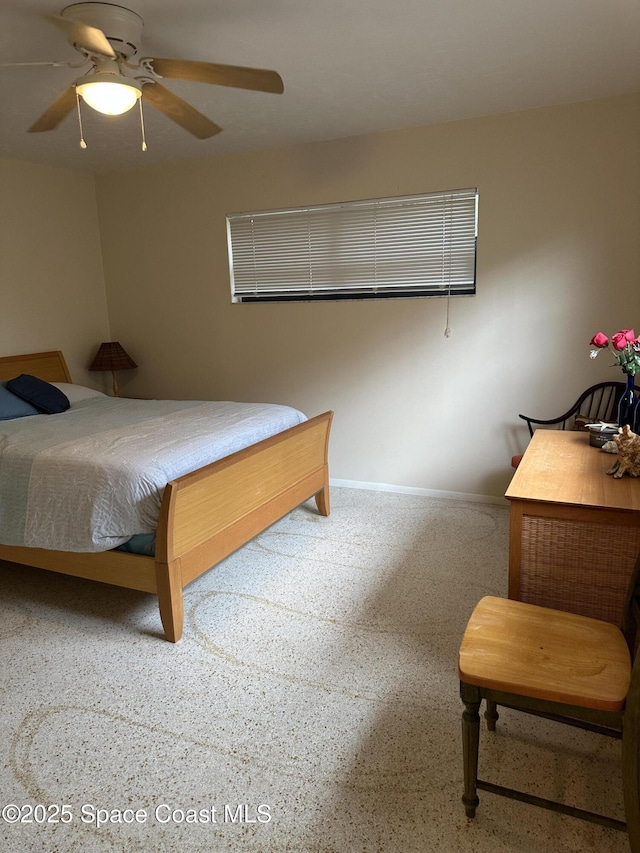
{"points": [[208, 514]]}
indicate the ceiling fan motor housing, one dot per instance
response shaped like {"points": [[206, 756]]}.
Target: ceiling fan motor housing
{"points": [[122, 27]]}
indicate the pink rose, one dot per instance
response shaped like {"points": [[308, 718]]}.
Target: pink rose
{"points": [[599, 340], [621, 339]]}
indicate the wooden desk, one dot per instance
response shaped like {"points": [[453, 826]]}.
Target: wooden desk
{"points": [[575, 531]]}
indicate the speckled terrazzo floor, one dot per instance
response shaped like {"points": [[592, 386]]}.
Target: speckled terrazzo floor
{"points": [[312, 705]]}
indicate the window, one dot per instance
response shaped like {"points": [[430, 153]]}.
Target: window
{"points": [[420, 245]]}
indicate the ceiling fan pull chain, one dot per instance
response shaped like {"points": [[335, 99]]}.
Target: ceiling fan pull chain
{"points": [[83, 144], [144, 141]]}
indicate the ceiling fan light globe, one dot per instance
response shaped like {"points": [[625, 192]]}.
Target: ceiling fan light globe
{"points": [[110, 97]]}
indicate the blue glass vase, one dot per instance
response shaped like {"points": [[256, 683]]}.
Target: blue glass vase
{"points": [[627, 404]]}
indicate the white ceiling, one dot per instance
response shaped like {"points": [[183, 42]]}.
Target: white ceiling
{"points": [[349, 66]]}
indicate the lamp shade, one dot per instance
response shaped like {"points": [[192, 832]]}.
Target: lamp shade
{"points": [[112, 356]]}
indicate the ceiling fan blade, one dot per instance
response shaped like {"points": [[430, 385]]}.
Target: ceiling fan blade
{"points": [[179, 111], [56, 112], [91, 39], [28, 64], [259, 79]]}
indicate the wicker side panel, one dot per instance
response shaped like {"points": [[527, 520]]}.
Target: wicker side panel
{"points": [[577, 566]]}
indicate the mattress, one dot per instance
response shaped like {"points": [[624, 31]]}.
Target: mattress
{"points": [[92, 477]]}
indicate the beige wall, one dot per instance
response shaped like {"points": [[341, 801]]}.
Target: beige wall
{"points": [[51, 280], [558, 259]]}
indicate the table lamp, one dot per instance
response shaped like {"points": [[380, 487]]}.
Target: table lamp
{"points": [[112, 356]]}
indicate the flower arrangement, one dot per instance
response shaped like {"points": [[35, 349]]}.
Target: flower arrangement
{"points": [[625, 347]]}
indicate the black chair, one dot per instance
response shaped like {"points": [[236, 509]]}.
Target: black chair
{"points": [[598, 403], [558, 665]]}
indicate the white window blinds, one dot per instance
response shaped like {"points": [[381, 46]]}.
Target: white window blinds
{"points": [[420, 245]]}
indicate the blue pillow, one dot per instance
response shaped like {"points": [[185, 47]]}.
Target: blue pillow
{"points": [[43, 395], [12, 406]]}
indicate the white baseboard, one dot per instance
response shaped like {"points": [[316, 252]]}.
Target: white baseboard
{"points": [[413, 490]]}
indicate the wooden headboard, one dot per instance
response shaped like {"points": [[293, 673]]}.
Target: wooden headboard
{"points": [[49, 366]]}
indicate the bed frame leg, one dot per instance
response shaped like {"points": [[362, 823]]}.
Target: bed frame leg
{"points": [[170, 601], [322, 500]]}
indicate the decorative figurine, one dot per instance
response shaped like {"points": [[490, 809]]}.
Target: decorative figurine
{"points": [[628, 461]]}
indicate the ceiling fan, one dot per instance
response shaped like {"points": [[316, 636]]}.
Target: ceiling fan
{"points": [[108, 37]]}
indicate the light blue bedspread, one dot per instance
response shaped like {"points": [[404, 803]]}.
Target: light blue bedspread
{"points": [[90, 478]]}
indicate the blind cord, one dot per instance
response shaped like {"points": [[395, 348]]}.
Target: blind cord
{"points": [[447, 328]]}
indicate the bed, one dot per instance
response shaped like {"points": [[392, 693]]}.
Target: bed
{"points": [[204, 515]]}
